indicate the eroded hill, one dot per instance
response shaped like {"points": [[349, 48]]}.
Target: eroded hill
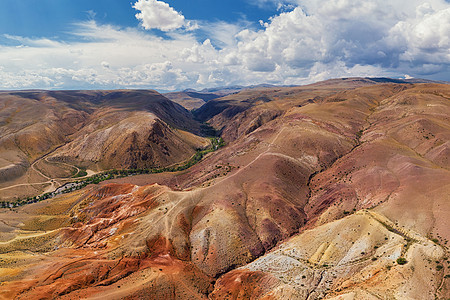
{"points": [[49, 136], [339, 191]]}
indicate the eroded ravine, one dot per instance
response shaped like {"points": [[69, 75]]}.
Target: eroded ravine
{"points": [[218, 232]]}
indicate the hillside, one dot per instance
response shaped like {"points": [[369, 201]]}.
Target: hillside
{"points": [[192, 99], [335, 190], [50, 135]]}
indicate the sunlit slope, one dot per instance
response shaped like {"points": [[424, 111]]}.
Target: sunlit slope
{"points": [[319, 202], [51, 135]]}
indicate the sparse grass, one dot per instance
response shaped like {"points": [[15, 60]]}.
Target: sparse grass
{"points": [[81, 173], [216, 143], [359, 134]]}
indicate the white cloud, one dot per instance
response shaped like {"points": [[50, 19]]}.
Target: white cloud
{"points": [[280, 5], [105, 65], [222, 33], [396, 35], [106, 57], [425, 38], [156, 14], [319, 39]]}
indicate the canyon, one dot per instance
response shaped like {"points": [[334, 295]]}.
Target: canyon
{"points": [[333, 190]]}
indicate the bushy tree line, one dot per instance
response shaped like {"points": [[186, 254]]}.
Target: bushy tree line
{"points": [[216, 143]]}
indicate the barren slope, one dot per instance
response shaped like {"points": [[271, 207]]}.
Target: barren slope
{"points": [[319, 200], [50, 135]]}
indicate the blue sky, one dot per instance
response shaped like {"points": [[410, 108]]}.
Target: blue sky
{"points": [[172, 45], [50, 18]]}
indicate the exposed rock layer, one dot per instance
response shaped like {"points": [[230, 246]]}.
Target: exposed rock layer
{"points": [[321, 200], [50, 135]]}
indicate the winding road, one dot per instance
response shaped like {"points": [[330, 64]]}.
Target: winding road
{"points": [[53, 182]]}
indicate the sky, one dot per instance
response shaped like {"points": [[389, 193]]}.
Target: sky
{"points": [[179, 44]]}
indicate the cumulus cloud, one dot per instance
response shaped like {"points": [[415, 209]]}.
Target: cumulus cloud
{"points": [[105, 57], [398, 35], [105, 64], [316, 40], [156, 14]]}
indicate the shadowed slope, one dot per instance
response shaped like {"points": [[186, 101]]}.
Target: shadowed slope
{"points": [[236, 216], [52, 134]]}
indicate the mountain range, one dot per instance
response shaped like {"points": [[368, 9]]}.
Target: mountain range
{"points": [[333, 190]]}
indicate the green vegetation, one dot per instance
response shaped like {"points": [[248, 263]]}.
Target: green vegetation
{"points": [[359, 134], [401, 260], [216, 143], [81, 173], [208, 130]]}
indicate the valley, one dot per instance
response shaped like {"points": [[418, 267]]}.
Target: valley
{"points": [[52, 137], [334, 190]]}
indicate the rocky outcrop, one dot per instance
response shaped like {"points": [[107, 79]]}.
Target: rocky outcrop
{"points": [[59, 132], [340, 197], [139, 140]]}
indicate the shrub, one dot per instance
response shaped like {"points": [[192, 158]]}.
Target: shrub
{"points": [[401, 260]]}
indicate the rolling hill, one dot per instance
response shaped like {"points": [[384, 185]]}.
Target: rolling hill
{"points": [[335, 190], [50, 135]]}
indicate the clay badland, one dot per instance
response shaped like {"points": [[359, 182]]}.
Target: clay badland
{"points": [[335, 190]]}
